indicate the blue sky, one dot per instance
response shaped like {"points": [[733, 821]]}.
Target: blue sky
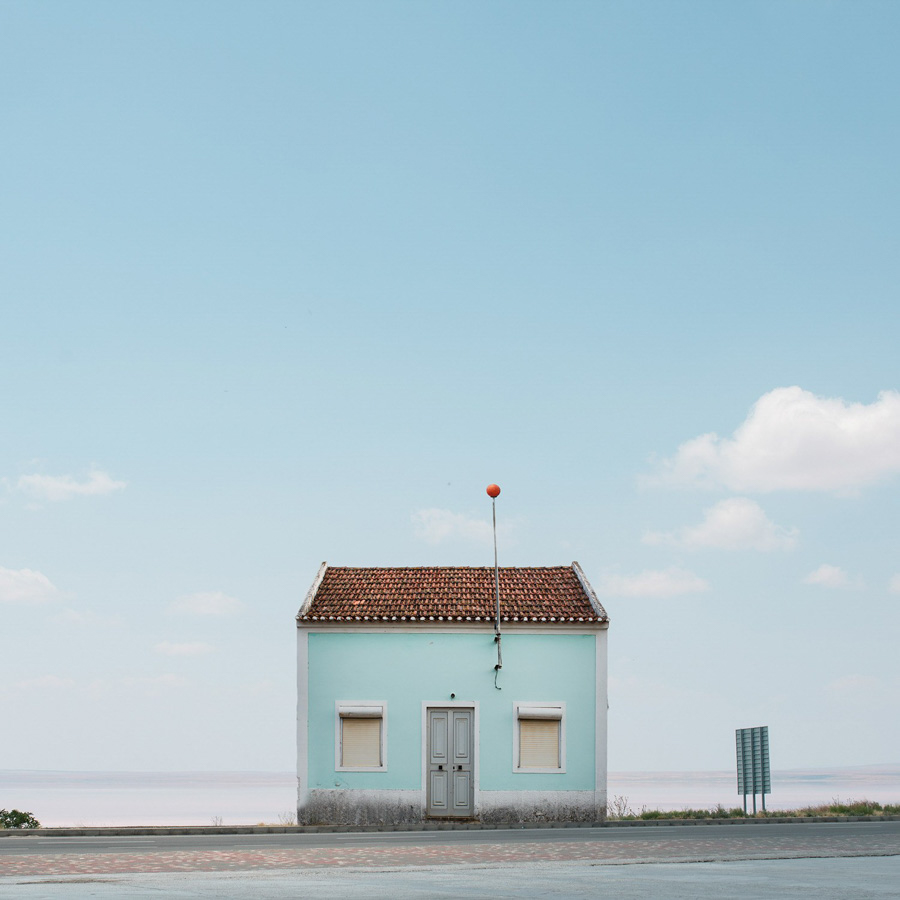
{"points": [[285, 282]]}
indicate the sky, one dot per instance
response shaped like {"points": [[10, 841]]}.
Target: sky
{"points": [[285, 282]]}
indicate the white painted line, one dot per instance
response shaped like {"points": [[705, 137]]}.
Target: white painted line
{"points": [[385, 835], [92, 840]]}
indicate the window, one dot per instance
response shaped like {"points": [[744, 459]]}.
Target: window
{"points": [[360, 737], [539, 743]]}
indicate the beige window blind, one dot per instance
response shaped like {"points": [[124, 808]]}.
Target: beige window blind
{"points": [[360, 742], [539, 743]]}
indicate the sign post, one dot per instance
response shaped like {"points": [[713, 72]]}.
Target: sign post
{"points": [[753, 777]]}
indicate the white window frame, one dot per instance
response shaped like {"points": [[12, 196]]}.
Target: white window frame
{"points": [[534, 710], [364, 709]]}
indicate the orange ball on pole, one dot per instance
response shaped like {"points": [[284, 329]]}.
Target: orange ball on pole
{"points": [[493, 490]]}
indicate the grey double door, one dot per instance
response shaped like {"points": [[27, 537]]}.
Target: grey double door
{"points": [[450, 749]]}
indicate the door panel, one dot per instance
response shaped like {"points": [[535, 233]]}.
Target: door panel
{"points": [[440, 727], [462, 721], [461, 790], [450, 753], [438, 783]]}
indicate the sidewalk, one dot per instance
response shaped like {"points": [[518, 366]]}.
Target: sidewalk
{"points": [[66, 858]]}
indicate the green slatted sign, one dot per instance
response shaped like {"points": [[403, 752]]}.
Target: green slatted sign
{"points": [[753, 776]]}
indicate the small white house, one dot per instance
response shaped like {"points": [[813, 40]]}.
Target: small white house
{"points": [[409, 708]]}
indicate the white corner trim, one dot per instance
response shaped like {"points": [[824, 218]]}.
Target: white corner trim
{"points": [[601, 717], [589, 591], [302, 717], [311, 593], [525, 709], [358, 709]]}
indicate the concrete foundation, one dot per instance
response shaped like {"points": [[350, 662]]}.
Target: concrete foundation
{"points": [[372, 807]]}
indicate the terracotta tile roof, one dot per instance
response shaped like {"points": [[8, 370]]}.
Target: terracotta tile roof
{"points": [[457, 593]]}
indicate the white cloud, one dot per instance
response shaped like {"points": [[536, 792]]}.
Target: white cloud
{"points": [[660, 583], [856, 687], [828, 576], [25, 586], [894, 586], [84, 618], [189, 648], [206, 603], [737, 523], [794, 440], [65, 487], [158, 681], [153, 685], [438, 525], [46, 682]]}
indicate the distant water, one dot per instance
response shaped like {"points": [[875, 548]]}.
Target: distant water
{"points": [[791, 788], [248, 798], [150, 798]]}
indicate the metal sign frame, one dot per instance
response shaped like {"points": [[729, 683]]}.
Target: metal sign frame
{"points": [[753, 775]]}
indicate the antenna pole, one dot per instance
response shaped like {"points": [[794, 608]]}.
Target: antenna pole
{"points": [[493, 491], [496, 570]]}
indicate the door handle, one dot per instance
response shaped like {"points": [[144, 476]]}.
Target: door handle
{"points": [[459, 768], [440, 768]]}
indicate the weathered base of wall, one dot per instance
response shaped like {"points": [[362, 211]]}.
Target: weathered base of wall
{"points": [[539, 806], [359, 807], [370, 807]]}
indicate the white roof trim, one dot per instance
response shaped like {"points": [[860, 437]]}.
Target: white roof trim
{"points": [[372, 626], [314, 587], [589, 592]]}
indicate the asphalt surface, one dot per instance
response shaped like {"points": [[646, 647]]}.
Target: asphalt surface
{"points": [[856, 878], [812, 861], [748, 835], [108, 855]]}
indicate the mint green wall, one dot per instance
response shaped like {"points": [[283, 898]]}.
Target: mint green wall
{"points": [[406, 668]]}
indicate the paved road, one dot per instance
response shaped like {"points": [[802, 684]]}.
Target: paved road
{"points": [[86, 856], [845, 861]]}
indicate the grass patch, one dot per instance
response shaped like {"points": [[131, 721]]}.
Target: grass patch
{"points": [[847, 808], [618, 809], [716, 812]]}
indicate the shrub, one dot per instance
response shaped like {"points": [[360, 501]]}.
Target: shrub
{"points": [[854, 808], [618, 808], [13, 818], [717, 812], [654, 814], [720, 812]]}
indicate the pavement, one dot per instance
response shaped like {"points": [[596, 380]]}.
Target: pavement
{"points": [[857, 878], [818, 861], [34, 855]]}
